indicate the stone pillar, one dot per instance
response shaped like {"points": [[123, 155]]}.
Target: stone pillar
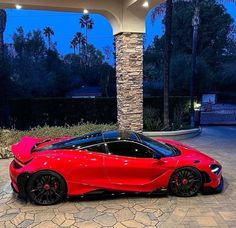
{"points": [[129, 80]]}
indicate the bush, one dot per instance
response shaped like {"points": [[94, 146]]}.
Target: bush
{"points": [[9, 137], [180, 116], [5, 153], [178, 109], [58, 111], [151, 119]]}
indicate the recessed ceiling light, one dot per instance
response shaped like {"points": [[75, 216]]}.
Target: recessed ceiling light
{"points": [[85, 11], [18, 6], [146, 4]]}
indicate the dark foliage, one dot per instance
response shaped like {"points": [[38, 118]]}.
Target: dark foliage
{"points": [[37, 71], [216, 51], [58, 111]]}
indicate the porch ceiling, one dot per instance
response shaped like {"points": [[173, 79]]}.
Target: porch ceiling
{"points": [[124, 15]]}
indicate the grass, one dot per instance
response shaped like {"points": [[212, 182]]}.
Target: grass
{"points": [[11, 136]]}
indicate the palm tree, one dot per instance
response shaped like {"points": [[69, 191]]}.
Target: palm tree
{"points": [[48, 32], [195, 24], [3, 19], [168, 7], [87, 23], [80, 39], [74, 44], [167, 54]]}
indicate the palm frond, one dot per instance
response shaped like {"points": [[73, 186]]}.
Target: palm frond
{"points": [[158, 11]]}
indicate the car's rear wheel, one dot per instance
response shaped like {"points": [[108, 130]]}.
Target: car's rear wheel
{"points": [[185, 182], [46, 188]]}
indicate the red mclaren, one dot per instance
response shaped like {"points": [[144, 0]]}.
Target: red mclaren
{"points": [[48, 170]]}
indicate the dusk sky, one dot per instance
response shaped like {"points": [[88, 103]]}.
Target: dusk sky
{"points": [[65, 25]]}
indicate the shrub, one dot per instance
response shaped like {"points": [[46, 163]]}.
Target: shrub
{"points": [[5, 153], [180, 116], [151, 119], [9, 137]]}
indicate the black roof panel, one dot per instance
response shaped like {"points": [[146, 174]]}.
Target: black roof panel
{"points": [[119, 135], [91, 139]]}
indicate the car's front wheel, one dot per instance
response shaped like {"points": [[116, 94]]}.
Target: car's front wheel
{"points": [[46, 188], [186, 182]]}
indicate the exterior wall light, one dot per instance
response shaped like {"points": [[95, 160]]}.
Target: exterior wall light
{"points": [[18, 7], [85, 11], [146, 4]]}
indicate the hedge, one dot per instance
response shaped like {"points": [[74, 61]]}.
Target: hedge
{"points": [[11, 136], [27, 113]]}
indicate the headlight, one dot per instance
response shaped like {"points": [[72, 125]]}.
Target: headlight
{"points": [[215, 168]]}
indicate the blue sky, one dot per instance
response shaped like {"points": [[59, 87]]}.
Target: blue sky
{"points": [[66, 25]]}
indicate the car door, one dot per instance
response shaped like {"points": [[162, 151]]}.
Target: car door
{"points": [[130, 165], [89, 168]]}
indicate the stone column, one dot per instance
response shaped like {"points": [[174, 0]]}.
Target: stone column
{"points": [[129, 80]]}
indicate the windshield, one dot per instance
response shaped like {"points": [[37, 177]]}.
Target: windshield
{"points": [[162, 148]]}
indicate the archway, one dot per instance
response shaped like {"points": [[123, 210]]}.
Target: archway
{"points": [[128, 22]]}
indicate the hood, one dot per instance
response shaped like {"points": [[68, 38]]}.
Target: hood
{"points": [[189, 152]]}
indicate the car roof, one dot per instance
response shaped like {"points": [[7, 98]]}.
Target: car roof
{"points": [[115, 135], [95, 138], [108, 136]]}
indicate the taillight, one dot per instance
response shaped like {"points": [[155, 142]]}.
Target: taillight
{"points": [[18, 164]]}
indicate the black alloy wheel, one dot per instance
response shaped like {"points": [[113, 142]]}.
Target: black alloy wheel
{"points": [[185, 182], [46, 188]]}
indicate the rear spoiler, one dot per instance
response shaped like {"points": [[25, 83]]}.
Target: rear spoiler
{"points": [[22, 149]]}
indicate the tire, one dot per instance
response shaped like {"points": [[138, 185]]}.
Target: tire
{"points": [[46, 188], [185, 182]]}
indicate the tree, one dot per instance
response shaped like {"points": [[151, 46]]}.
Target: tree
{"points": [[192, 47], [3, 19], [48, 32], [29, 76], [167, 55], [215, 47], [195, 24], [214, 35], [3, 63], [35, 71], [106, 77], [87, 23], [74, 44], [80, 40]]}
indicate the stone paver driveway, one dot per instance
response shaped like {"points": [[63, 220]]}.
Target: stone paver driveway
{"points": [[136, 211]]}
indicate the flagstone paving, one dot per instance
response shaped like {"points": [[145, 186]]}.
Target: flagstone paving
{"points": [[135, 210]]}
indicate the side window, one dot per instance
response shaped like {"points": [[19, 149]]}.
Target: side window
{"points": [[96, 148], [129, 149]]}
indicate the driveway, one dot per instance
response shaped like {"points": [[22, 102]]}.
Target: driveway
{"points": [[136, 210]]}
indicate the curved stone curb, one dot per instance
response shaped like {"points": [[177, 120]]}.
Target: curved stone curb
{"points": [[177, 135]]}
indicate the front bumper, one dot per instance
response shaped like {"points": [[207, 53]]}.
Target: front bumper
{"points": [[218, 189]]}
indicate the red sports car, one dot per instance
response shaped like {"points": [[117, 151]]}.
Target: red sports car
{"points": [[48, 170]]}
